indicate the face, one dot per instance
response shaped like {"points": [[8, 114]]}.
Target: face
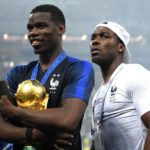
{"points": [[43, 33], [104, 46]]}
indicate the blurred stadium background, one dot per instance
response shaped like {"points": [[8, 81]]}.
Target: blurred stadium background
{"points": [[81, 17]]}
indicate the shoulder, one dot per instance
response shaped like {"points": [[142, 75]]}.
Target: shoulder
{"points": [[136, 74], [22, 68], [136, 69], [80, 65], [15, 75], [17, 71], [79, 79], [134, 66], [132, 74]]}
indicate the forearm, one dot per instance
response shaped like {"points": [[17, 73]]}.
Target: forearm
{"points": [[15, 134], [53, 117], [11, 133], [147, 142], [66, 117]]}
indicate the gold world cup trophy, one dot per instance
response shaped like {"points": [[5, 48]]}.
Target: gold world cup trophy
{"points": [[31, 94]]}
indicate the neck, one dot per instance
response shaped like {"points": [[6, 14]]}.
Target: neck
{"points": [[107, 71], [47, 59]]}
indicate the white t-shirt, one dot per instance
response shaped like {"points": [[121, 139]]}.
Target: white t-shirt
{"points": [[127, 98]]}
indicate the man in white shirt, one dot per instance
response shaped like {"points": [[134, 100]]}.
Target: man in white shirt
{"points": [[121, 106]]}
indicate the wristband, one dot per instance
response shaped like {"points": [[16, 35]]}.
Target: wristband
{"points": [[29, 134]]}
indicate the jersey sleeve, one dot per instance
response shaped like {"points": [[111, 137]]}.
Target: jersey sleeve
{"points": [[12, 78], [80, 81], [141, 90]]}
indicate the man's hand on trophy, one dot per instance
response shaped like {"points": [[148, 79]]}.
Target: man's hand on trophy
{"points": [[7, 109]]}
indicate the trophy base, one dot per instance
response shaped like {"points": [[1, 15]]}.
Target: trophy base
{"points": [[29, 148]]}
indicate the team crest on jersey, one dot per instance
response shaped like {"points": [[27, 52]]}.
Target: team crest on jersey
{"points": [[113, 91], [54, 82]]}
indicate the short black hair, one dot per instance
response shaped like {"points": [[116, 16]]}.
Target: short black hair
{"points": [[56, 14]]}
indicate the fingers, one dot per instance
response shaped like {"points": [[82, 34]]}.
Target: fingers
{"points": [[64, 139], [6, 107], [63, 142], [4, 100], [4, 97], [57, 147], [65, 135]]}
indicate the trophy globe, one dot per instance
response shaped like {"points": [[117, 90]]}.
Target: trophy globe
{"points": [[31, 94]]}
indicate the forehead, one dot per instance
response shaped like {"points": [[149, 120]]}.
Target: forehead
{"points": [[103, 29], [40, 16]]}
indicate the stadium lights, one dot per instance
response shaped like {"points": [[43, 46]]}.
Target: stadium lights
{"points": [[5, 36]]}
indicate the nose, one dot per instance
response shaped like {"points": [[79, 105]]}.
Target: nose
{"points": [[95, 41]]}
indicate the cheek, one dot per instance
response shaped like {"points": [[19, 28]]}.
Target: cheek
{"points": [[51, 36], [51, 41], [28, 36], [110, 47], [107, 45]]}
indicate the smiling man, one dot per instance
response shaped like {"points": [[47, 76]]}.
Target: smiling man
{"points": [[68, 81], [121, 106]]}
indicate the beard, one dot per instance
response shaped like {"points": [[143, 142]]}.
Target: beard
{"points": [[102, 62]]}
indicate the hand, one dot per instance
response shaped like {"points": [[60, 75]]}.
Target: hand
{"points": [[38, 136], [63, 139], [7, 109]]}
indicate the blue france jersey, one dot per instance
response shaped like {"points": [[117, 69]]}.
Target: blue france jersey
{"points": [[79, 77], [72, 78]]}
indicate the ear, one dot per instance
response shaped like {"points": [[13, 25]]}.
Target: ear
{"points": [[121, 47], [61, 29]]}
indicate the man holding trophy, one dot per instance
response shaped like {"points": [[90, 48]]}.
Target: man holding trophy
{"points": [[51, 93]]}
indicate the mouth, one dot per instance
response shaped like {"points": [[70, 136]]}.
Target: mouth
{"points": [[94, 52], [36, 43]]}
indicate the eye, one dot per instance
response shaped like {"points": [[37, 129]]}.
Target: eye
{"points": [[29, 27], [93, 36], [41, 25], [104, 35]]}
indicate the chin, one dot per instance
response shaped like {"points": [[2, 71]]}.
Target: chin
{"points": [[37, 51], [97, 61]]}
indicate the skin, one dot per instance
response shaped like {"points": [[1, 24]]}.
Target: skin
{"points": [[46, 38], [107, 52], [42, 30], [10, 132]]}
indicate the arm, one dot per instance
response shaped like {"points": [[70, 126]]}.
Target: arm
{"points": [[9, 132], [74, 101], [63, 139], [12, 133], [141, 95], [15, 134], [65, 117]]}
